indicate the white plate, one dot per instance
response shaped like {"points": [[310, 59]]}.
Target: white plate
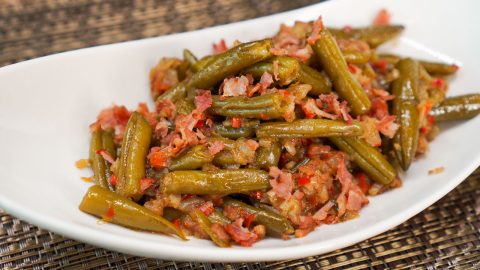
{"points": [[47, 104]]}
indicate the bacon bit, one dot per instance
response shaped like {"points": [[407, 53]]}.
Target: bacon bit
{"points": [[370, 131], [164, 75], [303, 180], [187, 197], [214, 147], [109, 214], [177, 222], [220, 232], [220, 47], [158, 157], [240, 234], [87, 179], [248, 220], [430, 120], [264, 117], [113, 180], [275, 69], [258, 195], [363, 184], [322, 213], [347, 29], [330, 104], [105, 155], [352, 68], [311, 110], [317, 28], [316, 150], [200, 124], [150, 117], [236, 122], [145, 183], [266, 80], [381, 64], [438, 83], [282, 182], [207, 208], [382, 18], [82, 164], [115, 117], [236, 86], [387, 126], [203, 100], [166, 109], [436, 170]]}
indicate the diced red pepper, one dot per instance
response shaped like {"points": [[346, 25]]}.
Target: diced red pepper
{"points": [[258, 195], [236, 122], [188, 196], [303, 180], [145, 183], [248, 220], [363, 183], [113, 180], [352, 68], [206, 208], [109, 214], [200, 124], [177, 222]]}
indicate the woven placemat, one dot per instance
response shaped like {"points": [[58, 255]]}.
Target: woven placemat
{"points": [[444, 236]]}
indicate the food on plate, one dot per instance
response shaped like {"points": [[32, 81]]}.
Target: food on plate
{"points": [[270, 137]]}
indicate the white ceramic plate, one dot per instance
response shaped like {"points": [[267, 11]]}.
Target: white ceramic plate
{"points": [[47, 104]]}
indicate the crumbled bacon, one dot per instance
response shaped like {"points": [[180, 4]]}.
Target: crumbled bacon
{"points": [[387, 126], [236, 86], [220, 232], [106, 155], [382, 18], [322, 213], [275, 69], [330, 104], [240, 234], [370, 131], [161, 129], [158, 157], [207, 208], [317, 28], [166, 109], [115, 117], [311, 110], [203, 100], [266, 80], [220, 47], [164, 75], [215, 147], [281, 182], [149, 116], [236, 122], [145, 183]]}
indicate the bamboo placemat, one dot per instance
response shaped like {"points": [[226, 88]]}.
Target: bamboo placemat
{"points": [[444, 236]]}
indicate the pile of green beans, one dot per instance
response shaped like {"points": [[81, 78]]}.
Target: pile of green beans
{"points": [[216, 168]]}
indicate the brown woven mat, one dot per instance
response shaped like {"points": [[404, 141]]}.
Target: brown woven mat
{"points": [[444, 236]]}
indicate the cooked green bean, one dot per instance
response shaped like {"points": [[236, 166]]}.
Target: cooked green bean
{"points": [[457, 108], [225, 159], [367, 157], [216, 182], [264, 106], [334, 64], [187, 205], [318, 80], [266, 157], [235, 133], [405, 108], [135, 145], [272, 221], [189, 57], [101, 202], [357, 57], [229, 63], [288, 69], [373, 35], [193, 158], [206, 226], [308, 128], [433, 68], [203, 62], [101, 140], [175, 93]]}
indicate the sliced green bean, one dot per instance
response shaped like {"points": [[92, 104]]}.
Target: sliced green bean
{"points": [[357, 57], [318, 80], [272, 221], [457, 108], [189, 57], [193, 158], [434, 68], [265, 106], [216, 182], [368, 158], [308, 128], [373, 35], [235, 133], [405, 108], [135, 145], [206, 226], [266, 157], [288, 69], [103, 203], [334, 64], [101, 140]]}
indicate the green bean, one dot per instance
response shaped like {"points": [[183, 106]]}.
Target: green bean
{"points": [[272, 221], [235, 153], [266, 157], [187, 205], [229, 63], [101, 202], [457, 108], [184, 106], [434, 68], [203, 62], [206, 226], [225, 159], [368, 158], [318, 80], [189, 57], [264, 106], [216, 182], [235, 133], [334, 64], [193, 158], [135, 145], [288, 69], [405, 108], [308, 128], [357, 57], [101, 140], [175, 93], [373, 35]]}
